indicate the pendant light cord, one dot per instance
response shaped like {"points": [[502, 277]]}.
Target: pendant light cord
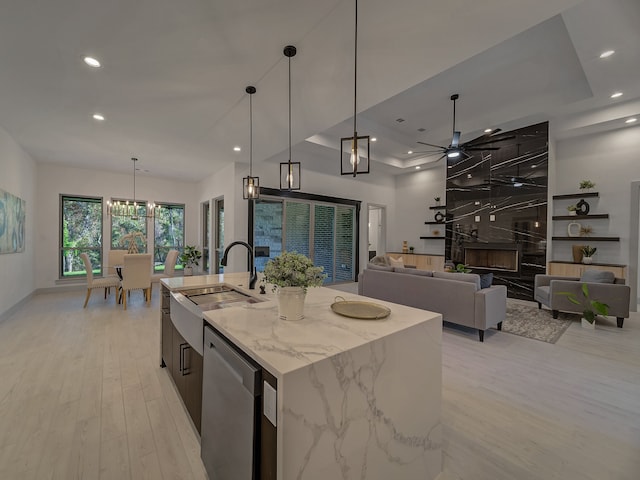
{"points": [[355, 79], [290, 182], [134, 179], [250, 135]]}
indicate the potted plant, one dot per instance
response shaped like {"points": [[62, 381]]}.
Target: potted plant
{"points": [[291, 274], [590, 307], [437, 199], [189, 258], [411, 249], [587, 254], [587, 185], [462, 268], [572, 209]]}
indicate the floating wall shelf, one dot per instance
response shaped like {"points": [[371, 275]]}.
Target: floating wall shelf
{"points": [[586, 239], [438, 207], [576, 195], [432, 238], [577, 217]]}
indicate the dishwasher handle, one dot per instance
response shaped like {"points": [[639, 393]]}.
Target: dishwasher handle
{"points": [[239, 366]]}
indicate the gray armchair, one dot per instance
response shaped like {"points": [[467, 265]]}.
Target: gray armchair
{"points": [[614, 293]]}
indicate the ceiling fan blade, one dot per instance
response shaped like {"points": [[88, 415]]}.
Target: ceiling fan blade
{"points": [[432, 145], [455, 141], [480, 149], [472, 143], [428, 154]]}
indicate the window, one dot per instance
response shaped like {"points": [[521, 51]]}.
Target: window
{"points": [[80, 231], [122, 227], [168, 232], [322, 229]]}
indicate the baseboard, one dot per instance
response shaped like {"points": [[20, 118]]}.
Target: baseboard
{"points": [[13, 309]]}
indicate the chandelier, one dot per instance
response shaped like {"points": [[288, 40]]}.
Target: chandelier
{"points": [[132, 209]]}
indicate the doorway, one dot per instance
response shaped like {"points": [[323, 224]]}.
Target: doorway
{"points": [[377, 231]]}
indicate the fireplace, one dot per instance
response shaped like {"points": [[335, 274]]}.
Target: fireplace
{"points": [[504, 257]]}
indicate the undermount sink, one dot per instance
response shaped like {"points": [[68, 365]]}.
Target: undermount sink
{"points": [[219, 296]]}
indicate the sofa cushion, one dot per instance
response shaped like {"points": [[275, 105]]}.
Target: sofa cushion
{"points": [[486, 279], [384, 268], [379, 260], [396, 262], [413, 271], [598, 276], [460, 277]]}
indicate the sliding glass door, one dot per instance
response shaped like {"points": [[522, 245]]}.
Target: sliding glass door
{"points": [[322, 231]]}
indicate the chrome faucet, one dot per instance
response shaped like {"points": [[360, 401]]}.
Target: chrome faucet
{"points": [[253, 278]]}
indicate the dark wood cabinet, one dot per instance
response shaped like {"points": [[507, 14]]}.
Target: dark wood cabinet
{"points": [[184, 365]]}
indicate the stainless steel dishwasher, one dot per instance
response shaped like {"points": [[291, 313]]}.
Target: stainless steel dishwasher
{"points": [[230, 411]]}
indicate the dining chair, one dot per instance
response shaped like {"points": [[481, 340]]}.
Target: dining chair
{"points": [[116, 257], [106, 282], [169, 267], [136, 275]]}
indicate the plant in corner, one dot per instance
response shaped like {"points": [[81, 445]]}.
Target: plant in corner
{"points": [[590, 307], [189, 258], [586, 184]]}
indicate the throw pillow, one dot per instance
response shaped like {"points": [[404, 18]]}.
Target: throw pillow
{"points": [[379, 260], [384, 268], [396, 262], [598, 276], [486, 279]]}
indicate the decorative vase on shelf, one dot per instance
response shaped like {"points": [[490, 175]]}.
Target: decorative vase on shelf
{"points": [[577, 253], [291, 303], [587, 260], [573, 229], [586, 324]]}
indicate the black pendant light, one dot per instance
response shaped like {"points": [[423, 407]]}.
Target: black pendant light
{"points": [[354, 151], [250, 184], [290, 171]]}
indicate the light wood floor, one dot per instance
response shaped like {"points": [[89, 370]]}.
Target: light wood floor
{"points": [[82, 396]]}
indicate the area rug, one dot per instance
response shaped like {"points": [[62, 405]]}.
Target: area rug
{"points": [[530, 322]]}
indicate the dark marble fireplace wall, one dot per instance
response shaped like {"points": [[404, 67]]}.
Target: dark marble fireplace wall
{"points": [[500, 196]]}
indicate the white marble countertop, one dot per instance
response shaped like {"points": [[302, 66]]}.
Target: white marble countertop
{"points": [[283, 346]]}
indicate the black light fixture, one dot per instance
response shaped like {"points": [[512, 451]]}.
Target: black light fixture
{"points": [[250, 184], [354, 151], [290, 171]]}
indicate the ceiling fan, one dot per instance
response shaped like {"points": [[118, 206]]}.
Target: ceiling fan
{"points": [[459, 151]]}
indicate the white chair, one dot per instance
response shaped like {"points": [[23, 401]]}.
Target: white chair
{"points": [[136, 275], [116, 257], [106, 282], [169, 267]]}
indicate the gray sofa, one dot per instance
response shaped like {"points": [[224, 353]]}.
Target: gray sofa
{"points": [[457, 296], [603, 286]]}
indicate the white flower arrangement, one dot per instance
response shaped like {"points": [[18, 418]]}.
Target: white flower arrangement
{"points": [[292, 269]]}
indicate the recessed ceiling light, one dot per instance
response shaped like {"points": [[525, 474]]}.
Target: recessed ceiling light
{"points": [[97, 116], [631, 120], [374, 139], [409, 152], [608, 53], [488, 130], [92, 62], [236, 149], [469, 175], [533, 166], [616, 95], [418, 167]]}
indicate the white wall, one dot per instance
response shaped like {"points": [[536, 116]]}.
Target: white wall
{"points": [[415, 193], [18, 177], [611, 160], [54, 180], [375, 188]]}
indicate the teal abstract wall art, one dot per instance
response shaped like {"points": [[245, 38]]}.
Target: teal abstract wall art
{"points": [[12, 221]]}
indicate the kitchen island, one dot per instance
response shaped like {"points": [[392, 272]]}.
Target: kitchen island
{"points": [[355, 398]]}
